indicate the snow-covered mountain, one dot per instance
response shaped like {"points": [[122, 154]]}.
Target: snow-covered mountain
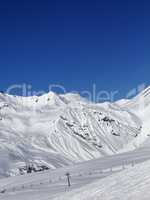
{"points": [[53, 130]]}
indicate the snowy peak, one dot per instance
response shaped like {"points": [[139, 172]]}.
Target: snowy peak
{"points": [[138, 102], [50, 98], [145, 92]]}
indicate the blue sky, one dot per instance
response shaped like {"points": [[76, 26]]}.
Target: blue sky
{"points": [[75, 44]]}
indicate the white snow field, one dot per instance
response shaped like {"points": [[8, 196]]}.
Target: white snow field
{"points": [[129, 184], [95, 143], [113, 177]]}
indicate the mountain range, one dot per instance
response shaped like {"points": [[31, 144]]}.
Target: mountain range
{"points": [[51, 131]]}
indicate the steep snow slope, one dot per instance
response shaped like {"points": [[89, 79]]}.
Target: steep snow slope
{"points": [[140, 106], [56, 130]]}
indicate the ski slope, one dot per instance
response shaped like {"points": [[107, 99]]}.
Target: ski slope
{"points": [[86, 178], [129, 184]]}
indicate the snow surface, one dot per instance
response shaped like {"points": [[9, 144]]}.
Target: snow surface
{"points": [[89, 180], [58, 130], [69, 134], [129, 184]]}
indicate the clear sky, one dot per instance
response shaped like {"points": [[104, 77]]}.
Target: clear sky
{"points": [[75, 43]]}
